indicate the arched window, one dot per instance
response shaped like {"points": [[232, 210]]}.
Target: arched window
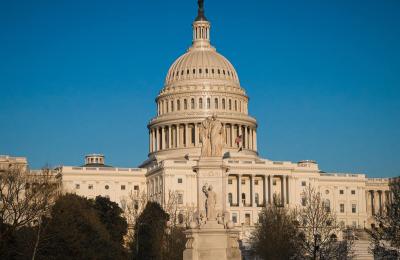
{"points": [[216, 103], [223, 103], [178, 104], [192, 103], [235, 105], [208, 103], [172, 106], [230, 198], [167, 105], [230, 104], [200, 103], [185, 104]]}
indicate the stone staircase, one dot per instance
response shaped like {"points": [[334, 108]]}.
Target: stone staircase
{"points": [[361, 250]]}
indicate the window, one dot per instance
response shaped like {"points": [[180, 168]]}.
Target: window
{"points": [[172, 106], [123, 187], [200, 103], [234, 218], [257, 199], [236, 105], [303, 183], [274, 182], [223, 103], [230, 104], [136, 187], [353, 192], [185, 104], [327, 205], [244, 198], [208, 103], [255, 182], [353, 208], [247, 219], [342, 208], [180, 180], [106, 187], [77, 186], [243, 181], [90, 186], [180, 198], [341, 192], [192, 103], [229, 181], [178, 104], [230, 198], [216, 103]]}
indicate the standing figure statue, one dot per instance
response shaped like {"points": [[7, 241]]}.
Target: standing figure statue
{"points": [[211, 137], [205, 137], [217, 137], [211, 202]]}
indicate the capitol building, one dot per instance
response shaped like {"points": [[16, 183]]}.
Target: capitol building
{"points": [[201, 86]]}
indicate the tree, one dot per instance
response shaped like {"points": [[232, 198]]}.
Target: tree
{"points": [[26, 198], [385, 237], [276, 235], [319, 229], [149, 233], [111, 216], [77, 229]]}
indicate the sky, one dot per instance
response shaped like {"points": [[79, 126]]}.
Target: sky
{"points": [[323, 77]]}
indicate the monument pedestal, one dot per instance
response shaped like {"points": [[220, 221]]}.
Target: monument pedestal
{"points": [[212, 241]]}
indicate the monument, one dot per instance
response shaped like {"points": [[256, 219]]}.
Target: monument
{"points": [[211, 236]]}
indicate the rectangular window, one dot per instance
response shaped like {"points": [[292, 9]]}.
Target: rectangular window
{"points": [[90, 186], [229, 181], [247, 219], [255, 182], [303, 183], [234, 218], [274, 182], [341, 208], [353, 192], [243, 181], [353, 208], [136, 187], [77, 186], [341, 192], [180, 198], [179, 180], [123, 187]]}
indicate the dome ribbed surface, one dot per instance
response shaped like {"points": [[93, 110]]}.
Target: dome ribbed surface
{"points": [[204, 63]]}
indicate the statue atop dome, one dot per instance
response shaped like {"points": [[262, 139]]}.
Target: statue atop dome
{"points": [[211, 137], [200, 12]]}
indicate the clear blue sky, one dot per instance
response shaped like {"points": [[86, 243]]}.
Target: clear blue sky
{"points": [[323, 77]]}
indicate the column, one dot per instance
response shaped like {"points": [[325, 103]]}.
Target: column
{"points": [[255, 139], [251, 139], [287, 189], [158, 139], [283, 190], [372, 202], [178, 136], [239, 190], [244, 136], [163, 137], [170, 136], [251, 190], [240, 133], [186, 135], [196, 135], [270, 194], [265, 184]]}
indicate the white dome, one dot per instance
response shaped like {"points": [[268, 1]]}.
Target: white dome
{"points": [[201, 63]]}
